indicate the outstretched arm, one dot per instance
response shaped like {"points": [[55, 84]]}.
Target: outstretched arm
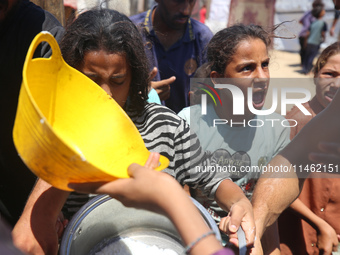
{"points": [[275, 192], [148, 189], [327, 237], [335, 20]]}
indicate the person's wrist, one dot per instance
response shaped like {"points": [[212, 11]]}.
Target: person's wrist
{"points": [[245, 201], [260, 226], [192, 245], [208, 245], [169, 186], [321, 226], [243, 204]]}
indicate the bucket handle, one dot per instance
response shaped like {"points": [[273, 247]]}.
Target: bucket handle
{"points": [[39, 38], [56, 58]]}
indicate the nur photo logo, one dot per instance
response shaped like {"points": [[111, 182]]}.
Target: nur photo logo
{"points": [[204, 96], [229, 95]]}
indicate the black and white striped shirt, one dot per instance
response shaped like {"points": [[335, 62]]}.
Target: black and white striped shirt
{"points": [[168, 134]]}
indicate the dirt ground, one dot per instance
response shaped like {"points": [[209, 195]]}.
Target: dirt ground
{"points": [[285, 64], [285, 72]]}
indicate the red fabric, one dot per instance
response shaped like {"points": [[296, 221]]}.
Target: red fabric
{"points": [[203, 13]]}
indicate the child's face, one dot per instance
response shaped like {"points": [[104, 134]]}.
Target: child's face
{"points": [[328, 80], [110, 71], [251, 62]]}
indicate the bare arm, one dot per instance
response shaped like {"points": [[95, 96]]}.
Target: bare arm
{"points": [[35, 232], [331, 31], [327, 237], [148, 189], [272, 195], [323, 35]]}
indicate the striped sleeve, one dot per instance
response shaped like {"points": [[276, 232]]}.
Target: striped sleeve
{"points": [[164, 132], [168, 134], [196, 169]]}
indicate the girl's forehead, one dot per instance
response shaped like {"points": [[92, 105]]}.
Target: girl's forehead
{"points": [[250, 44], [250, 41], [333, 59], [334, 55], [105, 51]]}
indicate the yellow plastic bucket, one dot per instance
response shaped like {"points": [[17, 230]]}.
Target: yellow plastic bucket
{"points": [[67, 129]]}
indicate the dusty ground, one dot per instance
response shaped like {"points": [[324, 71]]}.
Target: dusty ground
{"points": [[285, 64], [285, 72]]}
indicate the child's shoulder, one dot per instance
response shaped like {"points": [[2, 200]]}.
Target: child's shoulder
{"points": [[154, 112]]}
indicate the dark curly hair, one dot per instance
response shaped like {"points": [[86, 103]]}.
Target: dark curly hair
{"points": [[113, 32], [224, 43]]}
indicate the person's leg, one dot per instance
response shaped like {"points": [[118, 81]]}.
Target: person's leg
{"points": [[314, 53], [306, 59], [302, 48], [311, 52]]}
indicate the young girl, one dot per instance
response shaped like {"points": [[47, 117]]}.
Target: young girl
{"points": [[318, 203], [246, 142], [106, 46]]}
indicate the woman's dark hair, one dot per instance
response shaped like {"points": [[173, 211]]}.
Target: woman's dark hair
{"points": [[113, 32], [224, 43], [330, 51]]}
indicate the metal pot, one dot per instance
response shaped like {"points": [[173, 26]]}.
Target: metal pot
{"points": [[103, 220]]}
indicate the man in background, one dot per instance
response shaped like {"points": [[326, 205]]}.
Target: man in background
{"points": [[175, 44]]}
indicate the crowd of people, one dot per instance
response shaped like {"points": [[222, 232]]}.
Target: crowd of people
{"points": [[148, 63]]}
